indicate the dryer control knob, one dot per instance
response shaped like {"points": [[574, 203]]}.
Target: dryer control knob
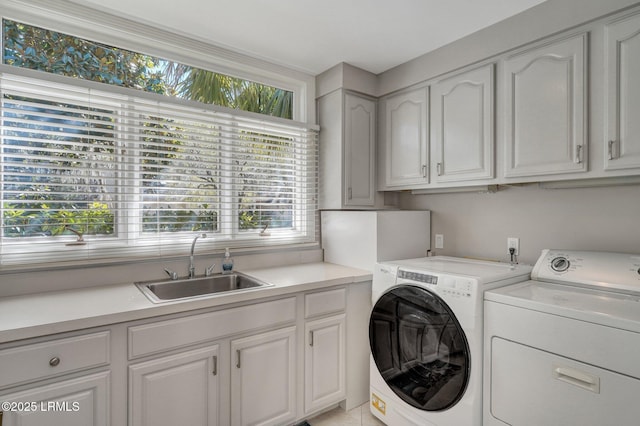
{"points": [[560, 264]]}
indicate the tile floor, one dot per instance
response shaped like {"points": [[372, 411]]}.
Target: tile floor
{"points": [[359, 416]]}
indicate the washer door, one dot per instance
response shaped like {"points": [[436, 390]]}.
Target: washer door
{"points": [[419, 348]]}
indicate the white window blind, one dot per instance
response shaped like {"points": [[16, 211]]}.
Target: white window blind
{"points": [[141, 175]]}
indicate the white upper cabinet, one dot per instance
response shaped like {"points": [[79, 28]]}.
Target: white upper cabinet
{"points": [[462, 117], [545, 109], [404, 129], [359, 150], [622, 94], [347, 150]]}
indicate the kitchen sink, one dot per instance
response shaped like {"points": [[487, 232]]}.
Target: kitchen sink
{"points": [[191, 288]]}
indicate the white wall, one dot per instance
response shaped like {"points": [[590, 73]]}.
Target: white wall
{"points": [[477, 225]]}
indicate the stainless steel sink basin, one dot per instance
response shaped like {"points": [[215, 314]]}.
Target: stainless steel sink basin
{"points": [[191, 288]]}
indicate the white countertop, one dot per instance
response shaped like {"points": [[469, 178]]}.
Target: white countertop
{"points": [[33, 315]]}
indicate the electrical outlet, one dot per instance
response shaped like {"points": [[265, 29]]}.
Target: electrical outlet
{"points": [[513, 242], [439, 241]]}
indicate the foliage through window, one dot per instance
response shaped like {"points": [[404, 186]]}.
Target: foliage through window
{"points": [[141, 172], [27, 46]]}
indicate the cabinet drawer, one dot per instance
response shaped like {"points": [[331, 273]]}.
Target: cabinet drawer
{"points": [[38, 361], [175, 333], [325, 302]]}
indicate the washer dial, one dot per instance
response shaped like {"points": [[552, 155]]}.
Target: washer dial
{"points": [[560, 264]]}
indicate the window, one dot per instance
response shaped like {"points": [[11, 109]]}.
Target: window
{"points": [[28, 46], [139, 174]]}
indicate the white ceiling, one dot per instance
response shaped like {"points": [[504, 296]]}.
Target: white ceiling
{"points": [[312, 36]]}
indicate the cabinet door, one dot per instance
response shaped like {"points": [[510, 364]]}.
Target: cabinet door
{"points": [[405, 139], [324, 373], [462, 111], [359, 151], [545, 109], [180, 389], [263, 378], [622, 137], [82, 401]]}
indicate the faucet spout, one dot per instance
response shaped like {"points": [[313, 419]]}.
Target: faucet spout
{"points": [[192, 268]]}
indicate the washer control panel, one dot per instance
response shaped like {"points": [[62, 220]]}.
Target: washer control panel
{"points": [[445, 284], [417, 276], [605, 270]]}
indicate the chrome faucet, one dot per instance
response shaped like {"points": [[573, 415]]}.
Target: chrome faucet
{"points": [[192, 269]]}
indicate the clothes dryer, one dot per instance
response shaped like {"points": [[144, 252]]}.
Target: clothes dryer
{"points": [[425, 334], [562, 348]]}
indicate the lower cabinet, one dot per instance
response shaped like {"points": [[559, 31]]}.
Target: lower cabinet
{"points": [[81, 401], [55, 381], [258, 380], [263, 378], [324, 370], [181, 389], [273, 362]]}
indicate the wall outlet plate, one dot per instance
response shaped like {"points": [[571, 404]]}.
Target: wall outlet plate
{"points": [[513, 242], [439, 241]]}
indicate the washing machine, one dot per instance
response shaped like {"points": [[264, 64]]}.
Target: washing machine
{"points": [[425, 334], [562, 348]]}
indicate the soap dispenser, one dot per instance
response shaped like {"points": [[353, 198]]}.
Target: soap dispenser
{"points": [[227, 262]]}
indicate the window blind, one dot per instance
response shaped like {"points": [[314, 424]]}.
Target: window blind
{"points": [[142, 175]]}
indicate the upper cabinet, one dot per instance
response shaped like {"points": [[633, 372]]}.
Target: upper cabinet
{"points": [[545, 109], [404, 129], [347, 150], [562, 111], [462, 134], [359, 150], [622, 94]]}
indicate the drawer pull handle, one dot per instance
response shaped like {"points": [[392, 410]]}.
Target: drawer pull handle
{"points": [[54, 361], [610, 150], [237, 358], [311, 338], [578, 159], [577, 378], [215, 366]]}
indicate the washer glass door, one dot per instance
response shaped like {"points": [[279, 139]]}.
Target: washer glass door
{"points": [[419, 348]]}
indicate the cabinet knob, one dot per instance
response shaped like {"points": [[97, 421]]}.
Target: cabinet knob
{"points": [[54, 361]]}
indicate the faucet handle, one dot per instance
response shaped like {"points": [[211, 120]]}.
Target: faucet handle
{"points": [[172, 274], [209, 270]]}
